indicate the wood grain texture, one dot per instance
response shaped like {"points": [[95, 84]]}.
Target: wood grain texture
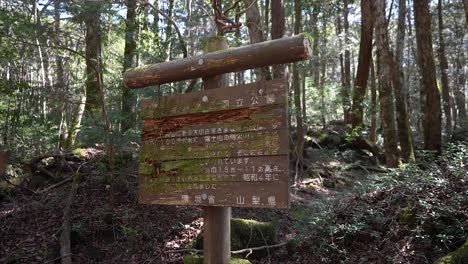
{"points": [[228, 98], [219, 154], [279, 51]]}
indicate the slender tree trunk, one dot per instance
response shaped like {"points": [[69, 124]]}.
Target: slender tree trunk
{"points": [[256, 34], [418, 115], [297, 98], [443, 64], [365, 55], [277, 31], [167, 40], [465, 7], [128, 96], [387, 108], [267, 18], [373, 108], [347, 65], [343, 92], [60, 83], [315, 46], [323, 73], [432, 126], [93, 54], [75, 125], [460, 93], [404, 129]]}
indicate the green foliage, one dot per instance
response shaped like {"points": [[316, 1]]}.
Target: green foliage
{"points": [[428, 202]]}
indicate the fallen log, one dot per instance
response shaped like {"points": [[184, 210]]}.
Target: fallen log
{"points": [[273, 52]]}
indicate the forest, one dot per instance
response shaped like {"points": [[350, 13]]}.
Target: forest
{"points": [[375, 129]]}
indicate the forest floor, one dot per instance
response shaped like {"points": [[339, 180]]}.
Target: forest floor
{"points": [[347, 210]]}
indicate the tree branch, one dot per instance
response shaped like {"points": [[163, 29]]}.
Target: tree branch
{"points": [[181, 38]]}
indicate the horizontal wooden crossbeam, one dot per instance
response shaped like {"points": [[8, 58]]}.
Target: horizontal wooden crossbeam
{"points": [[279, 51]]}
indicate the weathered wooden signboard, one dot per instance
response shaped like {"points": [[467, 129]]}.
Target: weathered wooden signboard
{"points": [[219, 147]]}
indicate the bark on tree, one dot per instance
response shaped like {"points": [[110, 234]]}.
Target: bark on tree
{"points": [[460, 93], [297, 98], [277, 31], [256, 34], [365, 54], [373, 108], [60, 80], [387, 108], [92, 17], [128, 97], [404, 129], [443, 64], [323, 73], [267, 18], [347, 65], [168, 30], [465, 7], [315, 46], [432, 126]]}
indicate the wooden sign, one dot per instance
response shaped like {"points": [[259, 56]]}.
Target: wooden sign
{"points": [[219, 147]]}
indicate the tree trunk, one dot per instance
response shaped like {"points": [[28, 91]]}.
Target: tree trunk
{"points": [[128, 97], [323, 73], [267, 19], [347, 65], [460, 93], [60, 82], [255, 26], [443, 64], [277, 31], [297, 98], [404, 129], [93, 54], [373, 108], [432, 126], [465, 7], [167, 40], [365, 55], [76, 123], [387, 108], [315, 47]]}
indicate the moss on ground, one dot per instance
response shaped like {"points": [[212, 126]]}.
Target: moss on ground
{"points": [[459, 256], [198, 259]]}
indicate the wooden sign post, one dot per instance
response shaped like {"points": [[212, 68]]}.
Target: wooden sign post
{"points": [[219, 147], [217, 220]]}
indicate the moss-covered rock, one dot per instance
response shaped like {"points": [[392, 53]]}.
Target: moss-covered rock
{"points": [[193, 259], [459, 256], [80, 153], [248, 233], [198, 259], [238, 261]]}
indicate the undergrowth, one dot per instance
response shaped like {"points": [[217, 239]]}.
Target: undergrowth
{"points": [[412, 215]]}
